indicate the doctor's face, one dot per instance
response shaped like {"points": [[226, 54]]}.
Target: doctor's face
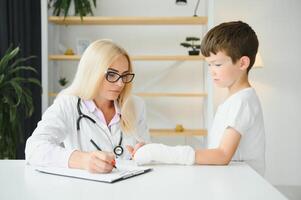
{"points": [[116, 77]]}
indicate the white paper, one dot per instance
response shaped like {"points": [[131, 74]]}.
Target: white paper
{"points": [[122, 172]]}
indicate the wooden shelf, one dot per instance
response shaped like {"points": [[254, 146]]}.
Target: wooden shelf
{"points": [[166, 94], [172, 132], [166, 58], [156, 94], [136, 58], [97, 20], [64, 57], [52, 94]]}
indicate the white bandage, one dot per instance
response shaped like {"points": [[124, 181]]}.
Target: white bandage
{"points": [[160, 153]]}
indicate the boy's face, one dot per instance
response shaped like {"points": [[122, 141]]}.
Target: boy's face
{"points": [[224, 73]]}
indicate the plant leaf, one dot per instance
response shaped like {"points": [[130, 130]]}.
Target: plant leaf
{"points": [[1, 78], [192, 39], [184, 44], [9, 55], [19, 68], [18, 90], [28, 103], [12, 114], [34, 81], [21, 60], [66, 6]]}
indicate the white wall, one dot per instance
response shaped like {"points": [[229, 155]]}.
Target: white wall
{"points": [[278, 26]]}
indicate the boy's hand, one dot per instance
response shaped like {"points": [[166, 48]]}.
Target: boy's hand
{"points": [[133, 150]]}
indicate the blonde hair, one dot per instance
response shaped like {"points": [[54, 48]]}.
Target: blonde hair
{"points": [[90, 73]]}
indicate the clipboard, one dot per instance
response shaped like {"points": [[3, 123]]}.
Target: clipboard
{"points": [[116, 175]]}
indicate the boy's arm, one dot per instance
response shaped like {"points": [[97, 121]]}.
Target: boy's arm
{"points": [[223, 154], [186, 155]]}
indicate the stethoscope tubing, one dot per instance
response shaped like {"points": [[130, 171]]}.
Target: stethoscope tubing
{"points": [[118, 150]]}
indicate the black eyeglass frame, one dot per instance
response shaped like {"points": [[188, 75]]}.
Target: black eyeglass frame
{"points": [[107, 73]]}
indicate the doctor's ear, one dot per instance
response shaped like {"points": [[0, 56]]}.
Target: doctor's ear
{"points": [[244, 62]]}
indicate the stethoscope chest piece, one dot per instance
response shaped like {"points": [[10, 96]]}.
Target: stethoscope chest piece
{"points": [[118, 150]]}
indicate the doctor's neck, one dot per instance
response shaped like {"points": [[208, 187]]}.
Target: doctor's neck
{"points": [[103, 104]]}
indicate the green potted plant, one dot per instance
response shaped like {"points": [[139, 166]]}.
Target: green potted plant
{"points": [[15, 101], [190, 43], [81, 7], [63, 82]]}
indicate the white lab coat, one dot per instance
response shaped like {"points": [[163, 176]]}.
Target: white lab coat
{"points": [[56, 135]]}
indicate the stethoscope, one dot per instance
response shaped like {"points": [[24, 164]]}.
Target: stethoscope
{"points": [[118, 150]]}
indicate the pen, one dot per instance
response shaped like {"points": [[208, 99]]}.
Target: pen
{"points": [[95, 145], [99, 149]]}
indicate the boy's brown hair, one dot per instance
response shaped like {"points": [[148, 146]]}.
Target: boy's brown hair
{"points": [[236, 39]]}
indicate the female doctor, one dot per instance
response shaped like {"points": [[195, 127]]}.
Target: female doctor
{"points": [[96, 111]]}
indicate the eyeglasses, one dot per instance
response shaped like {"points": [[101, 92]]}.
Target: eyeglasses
{"points": [[113, 77]]}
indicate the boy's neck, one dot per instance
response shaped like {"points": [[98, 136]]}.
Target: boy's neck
{"points": [[238, 85]]}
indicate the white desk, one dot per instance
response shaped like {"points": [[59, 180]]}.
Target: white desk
{"points": [[237, 181]]}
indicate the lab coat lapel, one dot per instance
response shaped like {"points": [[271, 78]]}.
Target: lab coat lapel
{"points": [[93, 116]]}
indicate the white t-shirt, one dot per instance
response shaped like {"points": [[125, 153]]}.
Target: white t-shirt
{"points": [[242, 111]]}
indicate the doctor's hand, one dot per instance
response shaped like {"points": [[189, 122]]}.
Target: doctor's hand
{"points": [[132, 150], [94, 162]]}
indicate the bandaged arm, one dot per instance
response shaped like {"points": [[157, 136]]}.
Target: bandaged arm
{"points": [[160, 153]]}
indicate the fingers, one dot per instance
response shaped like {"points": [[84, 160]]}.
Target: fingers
{"points": [[105, 156], [137, 146], [101, 162], [130, 149], [99, 166]]}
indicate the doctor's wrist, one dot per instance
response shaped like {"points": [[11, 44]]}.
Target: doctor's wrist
{"points": [[78, 160]]}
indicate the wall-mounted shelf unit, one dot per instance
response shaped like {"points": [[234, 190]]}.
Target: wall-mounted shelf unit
{"points": [[166, 94], [53, 59], [171, 132]]}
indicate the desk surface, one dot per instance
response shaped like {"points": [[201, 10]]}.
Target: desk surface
{"points": [[236, 181]]}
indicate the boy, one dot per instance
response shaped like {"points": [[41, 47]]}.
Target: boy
{"points": [[237, 132]]}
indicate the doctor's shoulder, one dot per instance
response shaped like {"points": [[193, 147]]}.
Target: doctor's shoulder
{"points": [[64, 103], [66, 100]]}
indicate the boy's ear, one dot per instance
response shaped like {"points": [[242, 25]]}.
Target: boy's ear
{"points": [[244, 62]]}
